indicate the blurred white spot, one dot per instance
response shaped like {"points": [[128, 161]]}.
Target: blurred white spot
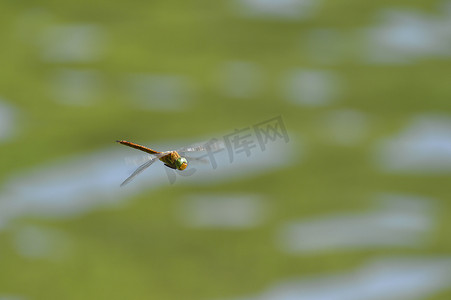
{"points": [[80, 184], [64, 188], [405, 36], [73, 43], [345, 127], [75, 87], [423, 147], [34, 242], [381, 279], [241, 79], [280, 9], [398, 223], [7, 121], [409, 203], [311, 87], [238, 211], [159, 92], [277, 154]]}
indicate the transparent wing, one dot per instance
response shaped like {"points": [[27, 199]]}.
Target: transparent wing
{"points": [[139, 159], [192, 149], [140, 169], [197, 159], [212, 145]]}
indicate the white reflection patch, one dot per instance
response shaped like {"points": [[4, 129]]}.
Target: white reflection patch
{"points": [[73, 43], [402, 221], [80, 184], [381, 279], [406, 36], [311, 87], [159, 92], [7, 121], [224, 211], [422, 147], [77, 87], [280, 9], [35, 242], [64, 188]]}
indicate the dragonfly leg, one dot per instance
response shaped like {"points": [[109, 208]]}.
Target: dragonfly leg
{"points": [[170, 166]]}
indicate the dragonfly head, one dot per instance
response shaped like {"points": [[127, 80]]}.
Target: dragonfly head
{"points": [[181, 163]]}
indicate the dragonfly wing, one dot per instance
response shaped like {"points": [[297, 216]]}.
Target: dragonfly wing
{"points": [[192, 149], [197, 159], [139, 170], [208, 146]]}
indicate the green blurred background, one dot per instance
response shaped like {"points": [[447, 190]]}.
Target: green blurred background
{"points": [[354, 206]]}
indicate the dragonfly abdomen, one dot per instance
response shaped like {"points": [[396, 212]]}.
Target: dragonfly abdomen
{"points": [[139, 147]]}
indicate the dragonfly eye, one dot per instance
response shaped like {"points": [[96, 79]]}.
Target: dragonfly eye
{"points": [[181, 163]]}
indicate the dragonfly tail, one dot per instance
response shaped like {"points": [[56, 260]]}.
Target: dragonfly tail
{"points": [[139, 147]]}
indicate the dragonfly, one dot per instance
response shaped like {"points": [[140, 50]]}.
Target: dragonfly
{"points": [[171, 159]]}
